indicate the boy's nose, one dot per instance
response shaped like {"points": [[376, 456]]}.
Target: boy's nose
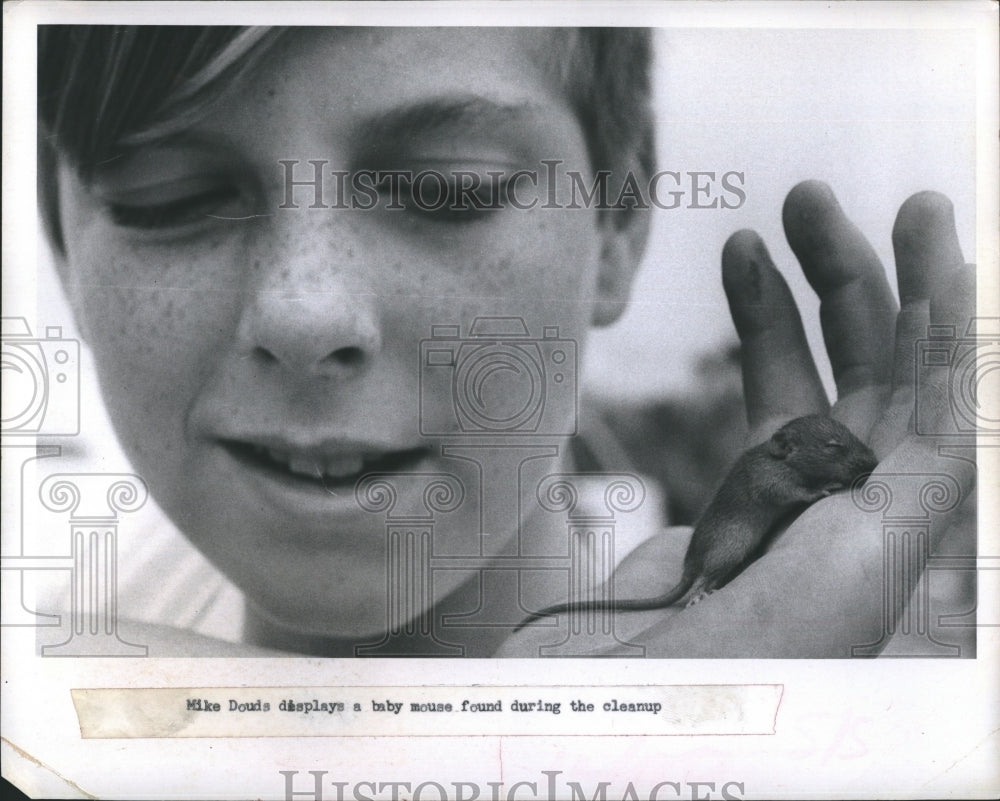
{"points": [[322, 333], [328, 325]]}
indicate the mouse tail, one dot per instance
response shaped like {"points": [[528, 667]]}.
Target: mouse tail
{"points": [[669, 598], [556, 609]]}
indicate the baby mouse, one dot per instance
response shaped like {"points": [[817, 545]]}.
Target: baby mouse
{"points": [[805, 460]]}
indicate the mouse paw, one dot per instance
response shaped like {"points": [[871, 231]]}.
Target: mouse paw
{"points": [[698, 596]]}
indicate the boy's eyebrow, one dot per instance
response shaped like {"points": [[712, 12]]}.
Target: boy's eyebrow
{"points": [[429, 116]]}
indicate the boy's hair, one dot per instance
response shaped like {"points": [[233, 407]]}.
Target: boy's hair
{"points": [[104, 87]]}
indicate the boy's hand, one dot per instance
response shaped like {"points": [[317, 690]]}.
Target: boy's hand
{"points": [[869, 339], [819, 590]]}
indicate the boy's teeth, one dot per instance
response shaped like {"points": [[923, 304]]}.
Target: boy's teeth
{"points": [[343, 465], [304, 466], [335, 467]]}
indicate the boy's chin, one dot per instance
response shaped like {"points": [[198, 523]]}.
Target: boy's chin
{"points": [[284, 624], [337, 623]]}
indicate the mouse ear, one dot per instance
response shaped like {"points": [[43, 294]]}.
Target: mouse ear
{"points": [[780, 444]]}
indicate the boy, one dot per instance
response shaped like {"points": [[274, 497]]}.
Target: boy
{"points": [[239, 228]]}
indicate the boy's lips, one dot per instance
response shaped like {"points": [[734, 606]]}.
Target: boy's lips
{"points": [[303, 494], [322, 466]]}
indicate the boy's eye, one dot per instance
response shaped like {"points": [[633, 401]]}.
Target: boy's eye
{"points": [[443, 197], [181, 211], [455, 205]]}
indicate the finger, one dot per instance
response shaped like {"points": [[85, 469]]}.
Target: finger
{"points": [[780, 380], [953, 299], [895, 422], [945, 393], [947, 386], [926, 248], [857, 308], [925, 244]]}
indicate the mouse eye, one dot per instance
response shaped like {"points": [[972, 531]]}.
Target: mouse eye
{"points": [[833, 445]]}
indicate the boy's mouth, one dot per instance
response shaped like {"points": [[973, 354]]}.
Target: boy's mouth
{"points": [[341, 470]]}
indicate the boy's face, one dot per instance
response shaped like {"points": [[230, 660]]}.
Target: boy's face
{"points": [[256, 360]]}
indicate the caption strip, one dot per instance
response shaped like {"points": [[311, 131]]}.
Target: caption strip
{"points": [[413, 711]]}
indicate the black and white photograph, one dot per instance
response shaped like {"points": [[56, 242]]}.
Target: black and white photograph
{"points": [[568, 399]]}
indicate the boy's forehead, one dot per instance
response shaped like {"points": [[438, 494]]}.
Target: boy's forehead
{"points": [[430, 58], [385, 83]]}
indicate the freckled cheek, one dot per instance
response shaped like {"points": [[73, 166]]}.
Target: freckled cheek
{"points": [[540, 267], [154, 335], [553, 255]]}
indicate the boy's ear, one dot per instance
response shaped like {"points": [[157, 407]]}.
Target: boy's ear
{"points": [[624, 233], [48, 190], [69, 292]]}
